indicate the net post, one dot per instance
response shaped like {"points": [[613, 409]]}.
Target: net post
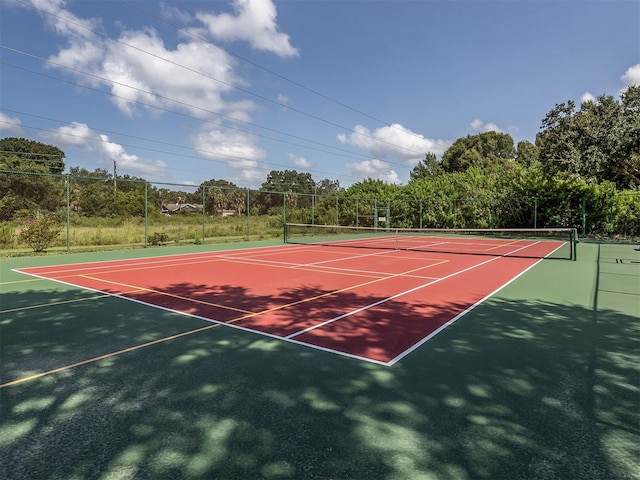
{"points": [[574, 244]]}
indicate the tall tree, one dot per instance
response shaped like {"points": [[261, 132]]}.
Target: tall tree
{"points": [[31, 187], [600, 141], [288, 182], [33, 154], [328, 187], [527, 153], [480, 150], [427, 168], [373, 188]]}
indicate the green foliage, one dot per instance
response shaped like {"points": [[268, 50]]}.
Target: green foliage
{"points": [[428, 168], [600, 141], [32, 154], [571, 177], [481, 150], [372, 188], [40, 231], [626, 214], [158, 238], [527, 154], [28, 191], [6, 234], [300, 185]]}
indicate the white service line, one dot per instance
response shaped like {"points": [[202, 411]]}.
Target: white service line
{"points": [[384, 300]]}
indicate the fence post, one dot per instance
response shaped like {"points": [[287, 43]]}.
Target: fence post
{"points": [[611, 218], [535, 212], [204, 213], [584, 215], [248, 213], [357, 212], [146, 214], [68, 188], [284, 207], [313, 204], [375, 212]]}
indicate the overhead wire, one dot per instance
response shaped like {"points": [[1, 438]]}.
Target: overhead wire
{"points": [[262, 97], [174, 112], [268, 70], [165, 152]]}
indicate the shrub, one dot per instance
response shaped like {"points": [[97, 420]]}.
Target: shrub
{"points": [[6, 234], [158, 238], [40, 231]]}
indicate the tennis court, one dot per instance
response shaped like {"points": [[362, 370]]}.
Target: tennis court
{"points": [[306, 293], [391, 358]]}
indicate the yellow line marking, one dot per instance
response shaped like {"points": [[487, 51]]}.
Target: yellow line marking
{"points": [[166, 294], [134, 268], [328, 294], [62, 302], [107, 355], [198, 330], [380, 275], [508, 244], [23, 281], [252, 254], [295, 266], [335, 271], [52, 304]]}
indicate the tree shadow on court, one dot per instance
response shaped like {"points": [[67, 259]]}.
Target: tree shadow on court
{"points": [[517, 388]]}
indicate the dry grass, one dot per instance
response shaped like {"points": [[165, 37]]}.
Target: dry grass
{"points": [[101, 233]]}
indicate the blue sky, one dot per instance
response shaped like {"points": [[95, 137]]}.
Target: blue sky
{"points": [[187, 91]]}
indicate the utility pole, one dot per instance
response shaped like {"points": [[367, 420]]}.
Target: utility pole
{"points": [[115, 186]]}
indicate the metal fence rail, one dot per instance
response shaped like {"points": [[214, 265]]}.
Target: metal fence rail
{"points": [[101, 212]]}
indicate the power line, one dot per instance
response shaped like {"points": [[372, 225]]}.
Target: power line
{"points": [[195, 107], [164, 152], [347, 154], [248, 92], [265, 69]]}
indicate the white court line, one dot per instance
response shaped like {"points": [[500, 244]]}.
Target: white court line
{"points": [[290, 337], [142, 261], [384, 300], [442, 327], [320, 264]]}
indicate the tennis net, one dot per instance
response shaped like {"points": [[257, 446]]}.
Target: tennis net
{"points": [[511, 242]]}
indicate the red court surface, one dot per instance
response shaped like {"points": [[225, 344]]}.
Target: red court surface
{"points": [[375, 305]]}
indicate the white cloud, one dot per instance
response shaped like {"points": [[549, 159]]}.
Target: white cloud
{"points": [[482, 127], [587, 97], [10, 124], [75, 135], [193, 77], [64, 22], [81, 136], [175, 14], [250, 177], [237, 149], [394, 141], [300, 162], [253, 21], [376, 169], [632, 75]]}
